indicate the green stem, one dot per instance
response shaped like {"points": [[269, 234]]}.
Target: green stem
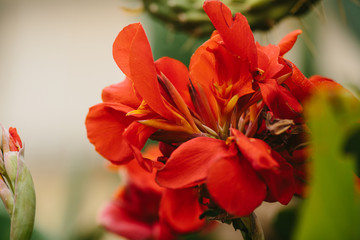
{"points": [[249, 227]]}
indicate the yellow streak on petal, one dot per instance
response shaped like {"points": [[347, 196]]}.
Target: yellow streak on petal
{"points": [[165, 125], [138, 112]]}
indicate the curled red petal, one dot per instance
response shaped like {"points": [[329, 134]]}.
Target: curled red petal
{"points": [[288, 41], [137, 134], [279, 100], [122, 92], [235, 186], [188, 164], [105, 124], [268, 60], [235, 32], [181, 209], [300, 87], [255, 151], [144, 75], [281, 183], [132, 53], [121, 47]]}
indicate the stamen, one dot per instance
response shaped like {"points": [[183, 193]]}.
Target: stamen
{"points": [[179, 102], [202, 106], [165, 125]]}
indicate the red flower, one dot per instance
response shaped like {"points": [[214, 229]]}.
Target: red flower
{"points": [[143, 210], [237, 172], [231, 128], [152, 97]]}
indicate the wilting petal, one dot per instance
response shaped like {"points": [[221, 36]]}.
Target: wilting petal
{"points": [[279, 100], [235, 32], [255, 151], [188, 164], [181, 209], [234, 185], [122, 92], [105, 124], [288, 41], [117, 220]]}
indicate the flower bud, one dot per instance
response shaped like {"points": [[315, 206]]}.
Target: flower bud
{"points": [[16, 185]]}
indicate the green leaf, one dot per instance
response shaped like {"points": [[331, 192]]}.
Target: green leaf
{"points": [[332, 210]]}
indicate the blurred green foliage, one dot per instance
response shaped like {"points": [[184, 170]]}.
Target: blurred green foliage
{"points": [[332, 209]]}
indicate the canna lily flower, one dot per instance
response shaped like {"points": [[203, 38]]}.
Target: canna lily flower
{"points": [[230, 128], [143, 210], [253, 109]]}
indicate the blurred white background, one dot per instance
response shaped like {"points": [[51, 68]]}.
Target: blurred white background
{"points": [[55, 58]]}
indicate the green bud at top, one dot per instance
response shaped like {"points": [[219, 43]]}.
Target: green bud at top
{"points": [[188, 15]]}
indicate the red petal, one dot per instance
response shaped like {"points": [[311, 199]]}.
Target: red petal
{"points": [[235, 32], [181, 209], [121, 47], [178, 75], [234, 185], [141, 177], [117, 220], [326, 84], [15, 142], [202, 65], [188, 164], [281, 183], [132, 53], [137, 134], [122, 92], [255, 151], [144, 75], [279, 100], [299, 85], [105, 124], [268, 60], [288, 41]]}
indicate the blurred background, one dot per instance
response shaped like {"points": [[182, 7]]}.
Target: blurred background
{"points": [[56, 57]]}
